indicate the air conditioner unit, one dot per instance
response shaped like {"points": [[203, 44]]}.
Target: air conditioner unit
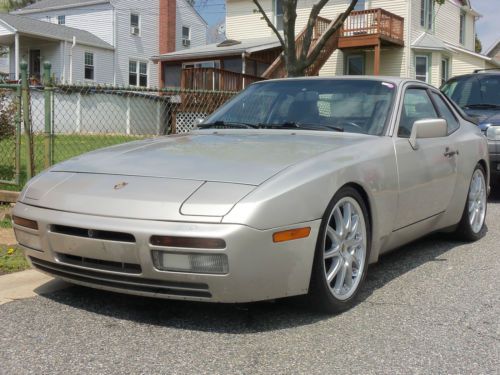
{"points": [[186, 42], [134, 30]]}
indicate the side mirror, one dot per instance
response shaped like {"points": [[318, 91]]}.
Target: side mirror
{"points": [[427, 128]]}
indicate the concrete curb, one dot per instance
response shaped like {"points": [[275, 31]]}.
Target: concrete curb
{"points": [[27, 284]]}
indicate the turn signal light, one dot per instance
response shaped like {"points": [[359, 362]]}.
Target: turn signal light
{"points": [[190, 242], [25, 222], [291, 234]]}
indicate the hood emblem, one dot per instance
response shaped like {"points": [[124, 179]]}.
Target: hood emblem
{"points": [[121, 185]]}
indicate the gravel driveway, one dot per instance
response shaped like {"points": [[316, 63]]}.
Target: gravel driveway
{"points": [[431, 307]]}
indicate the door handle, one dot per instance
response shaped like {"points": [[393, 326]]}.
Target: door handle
{"points": [[450, 153]]}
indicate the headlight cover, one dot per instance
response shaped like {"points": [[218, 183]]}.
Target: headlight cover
{"points": [[493, 133]]}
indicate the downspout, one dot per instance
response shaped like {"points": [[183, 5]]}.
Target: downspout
{"points": [[408, 39], [71, 60]]}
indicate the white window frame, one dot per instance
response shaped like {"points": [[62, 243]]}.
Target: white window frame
{"points": [[188, 37], [63, 18], [427, 9], [138, 23], [279, 25], [445, 69], [355, 55], [138, 73], [85, 65], [462, 26], [199, 64], [427, 67]]}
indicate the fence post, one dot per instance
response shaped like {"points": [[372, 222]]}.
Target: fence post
{"points": [[47, 93], [26, 105]]}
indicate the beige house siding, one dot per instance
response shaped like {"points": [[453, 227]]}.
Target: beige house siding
{"points": [[465, 64]]}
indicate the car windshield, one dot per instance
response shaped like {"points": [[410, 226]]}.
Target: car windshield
{"points": [[350, 105], [477, 91]]}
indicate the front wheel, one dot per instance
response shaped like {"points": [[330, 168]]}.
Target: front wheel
{"points": [[472, 225], [342, 252]]}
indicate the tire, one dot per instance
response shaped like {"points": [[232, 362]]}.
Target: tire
{"points": [[472, 224], [341, 253]]}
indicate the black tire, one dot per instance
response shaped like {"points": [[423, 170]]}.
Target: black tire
{"points": [[320, 294], [465, 230]]}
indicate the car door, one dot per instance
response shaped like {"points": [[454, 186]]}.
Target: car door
{"points": [[427, 175]]}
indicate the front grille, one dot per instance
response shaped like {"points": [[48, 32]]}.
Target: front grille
{"points": [[105, 265], [92, 233], [124, 282]]}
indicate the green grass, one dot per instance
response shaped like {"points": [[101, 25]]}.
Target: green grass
{"points": [[65, 147], [5, 223], [12, 259]]}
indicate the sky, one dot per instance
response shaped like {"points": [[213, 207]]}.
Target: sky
{"points": [[488, 26]]}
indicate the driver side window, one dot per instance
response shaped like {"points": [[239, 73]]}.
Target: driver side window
{"points": [[416, 106]]}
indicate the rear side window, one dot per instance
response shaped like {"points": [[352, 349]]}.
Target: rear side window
{"points": [[416, 106], [446, 113]]}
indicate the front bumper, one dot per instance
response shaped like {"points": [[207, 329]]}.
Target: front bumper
{"points": [[259, 269]]}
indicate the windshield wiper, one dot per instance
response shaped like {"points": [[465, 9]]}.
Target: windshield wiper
{"points": [[228, 124], [300, 125], [482, 106]]}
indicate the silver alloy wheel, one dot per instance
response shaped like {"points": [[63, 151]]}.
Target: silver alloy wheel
{"points": [[477, 201], [344, 248]]}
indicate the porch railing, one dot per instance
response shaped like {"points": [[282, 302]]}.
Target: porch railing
{"points": [[215, 79], [374, 21]]}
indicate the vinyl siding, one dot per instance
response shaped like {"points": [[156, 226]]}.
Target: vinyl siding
{"points": [[187, 16], [96, 19], [136, 47], [103, 64], [465, 64]]}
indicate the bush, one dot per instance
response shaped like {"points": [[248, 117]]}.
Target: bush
{"points": [[7, 114]]}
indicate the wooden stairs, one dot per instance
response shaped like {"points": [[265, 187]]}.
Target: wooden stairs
{"points": [[277, 68]]}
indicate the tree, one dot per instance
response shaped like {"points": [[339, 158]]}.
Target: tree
{"points": [[297, 65], [478, 45]]}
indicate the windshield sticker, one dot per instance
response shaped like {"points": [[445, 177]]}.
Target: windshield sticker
{"points": [[387, 84]]}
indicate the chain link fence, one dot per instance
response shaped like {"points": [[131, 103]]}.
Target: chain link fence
{"points": [[64, 121], [10, 108]]}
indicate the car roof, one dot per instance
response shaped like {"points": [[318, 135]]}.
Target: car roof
{"points": [[395, 80], [478, 72]]}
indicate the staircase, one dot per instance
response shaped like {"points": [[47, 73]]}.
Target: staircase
{"points": [[277, 68]]}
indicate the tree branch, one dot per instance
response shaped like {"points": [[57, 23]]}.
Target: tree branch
{"points": [[313, 16], [269, 23], [327, 34]]}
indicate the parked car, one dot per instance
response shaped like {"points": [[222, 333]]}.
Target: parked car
{"points": [[478, 95], [293, 187]]}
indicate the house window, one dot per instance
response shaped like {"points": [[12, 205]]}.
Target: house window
{"points": [[445, 70], [427, 14], [138, 73], [89, 65], [360, 5], [61, 20], [186, 36], [278, 14], [355, 65], [462, 27], [422, 68], [134, 24]]}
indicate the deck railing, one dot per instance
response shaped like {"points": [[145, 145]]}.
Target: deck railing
{"points": [[215, 79], [374, 21]]}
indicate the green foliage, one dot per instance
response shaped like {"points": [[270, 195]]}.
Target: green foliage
{"points": [[7, 113], [12, 259], [440, 2], [478, 45]]}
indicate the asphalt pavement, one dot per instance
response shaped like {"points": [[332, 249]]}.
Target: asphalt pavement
{"points": [[432, 307]]}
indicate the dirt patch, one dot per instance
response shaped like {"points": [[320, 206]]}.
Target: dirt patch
{"points": [[7, 236]]}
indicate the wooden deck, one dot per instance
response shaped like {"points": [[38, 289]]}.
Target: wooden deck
{"points": [[215, 79]]}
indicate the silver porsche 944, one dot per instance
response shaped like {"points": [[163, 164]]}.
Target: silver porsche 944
{"points": [[293, 187]]}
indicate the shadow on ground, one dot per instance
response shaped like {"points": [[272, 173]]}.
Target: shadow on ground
{"points": [[246, 318]]}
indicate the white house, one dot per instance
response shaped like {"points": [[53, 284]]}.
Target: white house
{"points": [[100, 41]]}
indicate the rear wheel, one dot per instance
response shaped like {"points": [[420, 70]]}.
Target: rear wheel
{"points": [[342, 252], [472, 225]]}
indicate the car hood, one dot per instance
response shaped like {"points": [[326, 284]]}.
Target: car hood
{"points": [[239, 157], [485, 118], [196, 177]]}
